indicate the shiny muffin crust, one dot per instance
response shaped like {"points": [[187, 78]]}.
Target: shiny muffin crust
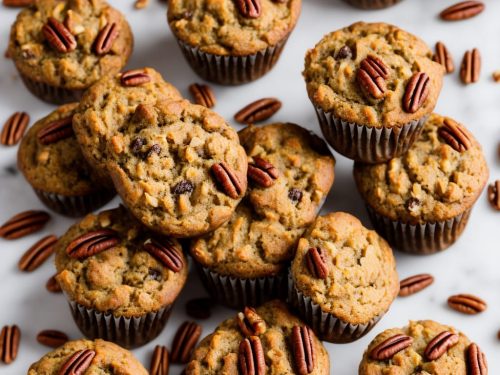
{"points": [[217, 27], [262, 234], [431, 182], [331, 79], [218, 352], [35, 58], [361, 281], [125, 279]]}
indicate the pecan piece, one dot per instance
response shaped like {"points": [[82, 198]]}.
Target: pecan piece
{"points": [[259, 110], [14, 128], [251, 357], [92, 243], [440, 344], [78, 363], [476, 360], [443, 57], [315, 262], [24, 223], [9, 343], [470, 68], [462, 10], [494, 195], [105, 39], [56, 131], [467, 304], [388, 348], [37, 254], [455, 135], [202, 95], [262, 172], [228, 180], [184, 342], [135, 77], [166, 252], [250, 322], [52, 338], [52, 285], [414, 284], [58, 36], [159, 361], [303, 350], [249, 8], [371, 76], [416, 92]]}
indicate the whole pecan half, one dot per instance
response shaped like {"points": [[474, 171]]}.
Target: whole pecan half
{"points": [[202, 95], [371, 76], [303, 350], [249, 8], [37, 254], [52, 285], [316, 263], [56, 131], [78, 363], [388, 348], [467, 304], [470, 68], [462, 10], [14, 128], [262, 172], [58, 36], [24, 223], [159, 362], [228, 180], [440, 345], [250, 322], [258, 110], [52, 338], [135, 77], [9, 343], [251, 357], [455, 135], [184, 342], [92, 243], [443, 57], [166, 252], [105, 39], [494, 195], [414, 284], [476, 361], [416, 92]]}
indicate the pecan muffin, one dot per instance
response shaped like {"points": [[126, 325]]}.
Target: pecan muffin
{"points": [[111, 102], [269, 338], [178, 167], [60, 48], [232, 42], [120, 279], [290, 173], [372, 85], [92, 357], [372, 4], [423, 347], [421, 201], [51, 161], [343, 278]]}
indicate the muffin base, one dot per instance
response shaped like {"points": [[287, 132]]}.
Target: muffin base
{"points": [[325, 325], [237, 293], [51, 94], [75, 206], [420, 239], [368, 144], [126, 332], [372, 4], [231, 70]]}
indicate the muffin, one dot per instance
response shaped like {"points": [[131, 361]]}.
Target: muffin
{"points": [[178, 167], [232, 42], [290, 172], [423, 347], [120, 279], [343, 278], [373, 86], [421, 201], [51, 161], [60, 48], [108, 104], [270, 338], [88, 357], [372, 4]]}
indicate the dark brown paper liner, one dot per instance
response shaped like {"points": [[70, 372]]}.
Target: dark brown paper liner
{"points": [[126, 332], [231, 70], [51, 94], [423, 239], [368, 144], [326, 326], [372, 4], [75, 206], [237, 293]]}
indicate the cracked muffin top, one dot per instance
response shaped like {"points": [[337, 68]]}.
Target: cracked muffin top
{"points": [[218, 27], [107, 105], [360, 280], [412, 359], [125, 278], [218, 352], [331, 74], [290, 173], [178, 167], [36, 57], [56, 165], [109, 358], [432, 181]]}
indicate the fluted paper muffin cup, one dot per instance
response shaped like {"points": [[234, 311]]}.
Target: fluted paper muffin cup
{"points": [[423, 238], [372, 4], [368, 144], [231, 70], [126, 332], [74, 206], [237, 293], [49, 93], [326, 326]]}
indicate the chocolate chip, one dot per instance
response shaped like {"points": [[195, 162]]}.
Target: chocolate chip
{"points": [[137, 144], [154, 275], [344, 53], [183, 187], [155, 149], [295, 195], [412, 204]]}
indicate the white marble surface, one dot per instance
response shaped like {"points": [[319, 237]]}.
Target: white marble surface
{"points": [[472, 265]]}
